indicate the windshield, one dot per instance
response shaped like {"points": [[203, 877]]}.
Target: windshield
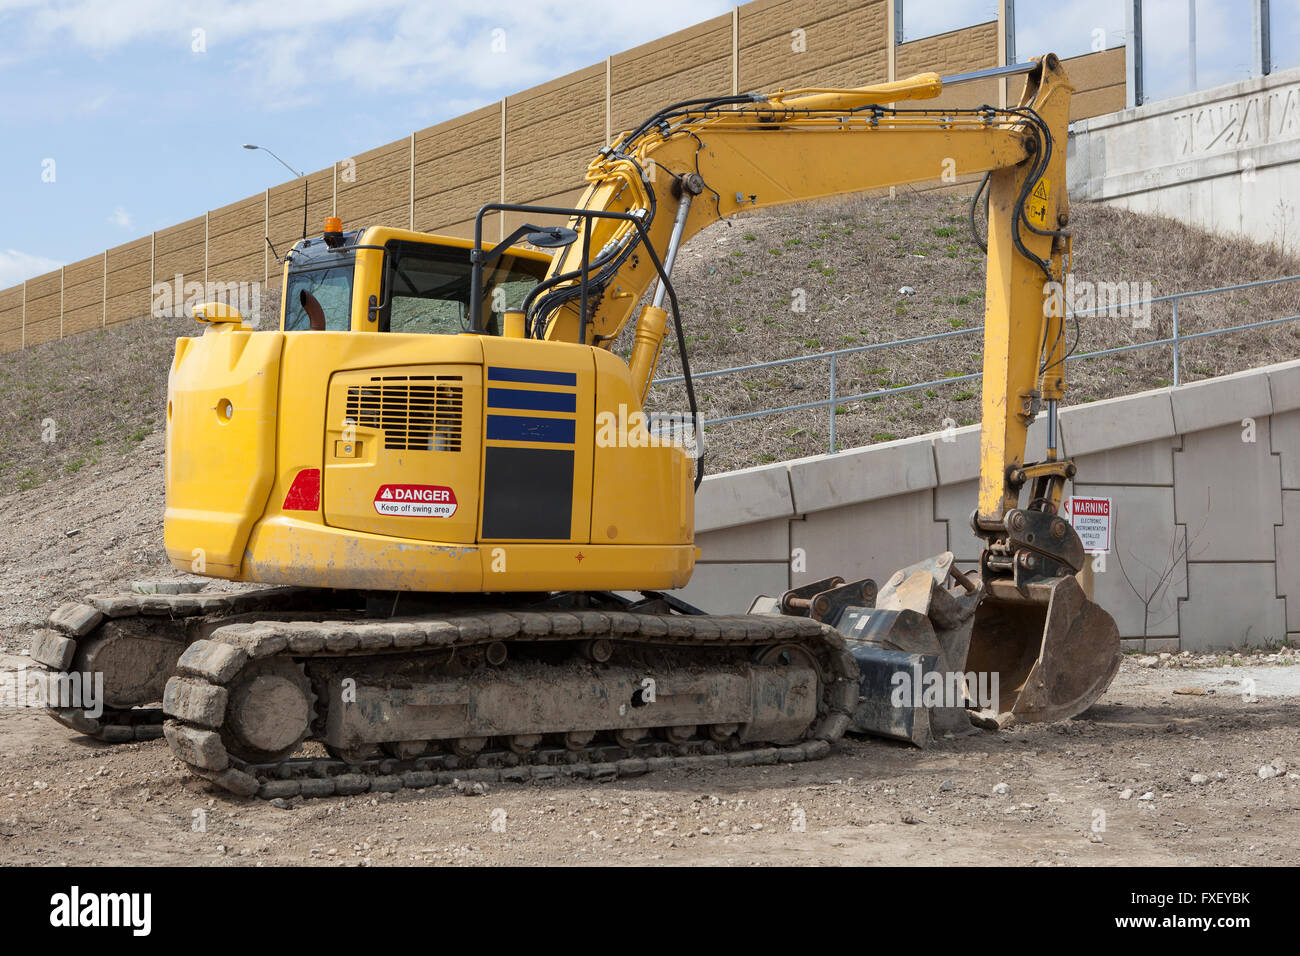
{"points": [[332, 288], [426, 289]]}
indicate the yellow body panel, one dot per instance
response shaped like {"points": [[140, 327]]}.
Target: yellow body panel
{"points": [[360, 456], [1024, 338], [522, 477], [222, 422]]}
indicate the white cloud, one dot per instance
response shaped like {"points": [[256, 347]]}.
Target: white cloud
{"points": [[96, 102], [120, 218], [292, 46], [16, 267]]}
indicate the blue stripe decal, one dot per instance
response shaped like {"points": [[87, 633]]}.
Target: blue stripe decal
{"points": [[533, 376], [532, 401], [559, 431]]}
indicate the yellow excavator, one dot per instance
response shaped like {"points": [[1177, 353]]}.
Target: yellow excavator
{"points": [[472, 572]]}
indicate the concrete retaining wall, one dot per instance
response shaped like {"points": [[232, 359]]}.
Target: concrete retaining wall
{"points": [[1204, 480], [1226, 160]]}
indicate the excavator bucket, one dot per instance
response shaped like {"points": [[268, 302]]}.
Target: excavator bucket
{"points": [[1054, 651], [933, 644]]}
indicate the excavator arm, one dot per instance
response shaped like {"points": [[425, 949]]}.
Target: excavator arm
{"points": [[691, 165], [696, 162]]}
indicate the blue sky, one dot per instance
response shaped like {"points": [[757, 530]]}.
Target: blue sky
{"points": [[143, 117]]}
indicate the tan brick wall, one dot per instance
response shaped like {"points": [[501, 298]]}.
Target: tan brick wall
{"points": [[955, 52], [42, 323], [235, 240], [11, 319], [844, 44], [690, 63], [83, 295], [1098, 80], [128, 281], [380, 191], [178, 250], [551, 132], [457, 168], [285, 225], [959, 51]]}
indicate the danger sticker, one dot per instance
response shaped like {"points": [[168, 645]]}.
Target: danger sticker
{"points": [[1091, 520], [1037, 204], [415, 501]]}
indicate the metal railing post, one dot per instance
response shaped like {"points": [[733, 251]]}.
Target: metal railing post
{"points": [[1177, 373], [1134, 93], [832, 403]]}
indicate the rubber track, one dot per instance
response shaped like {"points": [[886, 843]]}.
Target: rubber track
{"points": [[178, 616], [217, 661]]}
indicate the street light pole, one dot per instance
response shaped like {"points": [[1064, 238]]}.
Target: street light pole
{"points": [[295, 172], [300, 175]]}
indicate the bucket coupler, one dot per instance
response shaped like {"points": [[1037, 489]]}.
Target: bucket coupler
{"points": [[910, 640]]}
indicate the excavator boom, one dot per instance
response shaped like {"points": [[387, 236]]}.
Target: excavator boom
{"points": [[695, 163]]}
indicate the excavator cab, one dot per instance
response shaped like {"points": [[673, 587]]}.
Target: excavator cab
{"points": [[394, 280]]}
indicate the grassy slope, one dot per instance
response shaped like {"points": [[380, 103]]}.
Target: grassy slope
{"points": [[105, 390], [852, 258]]}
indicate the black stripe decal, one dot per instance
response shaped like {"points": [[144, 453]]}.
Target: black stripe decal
{"points": [[532, 376], [532, 401], [527, 494]]}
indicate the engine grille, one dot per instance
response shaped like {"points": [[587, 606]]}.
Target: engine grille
{"points": [[423, 413]]}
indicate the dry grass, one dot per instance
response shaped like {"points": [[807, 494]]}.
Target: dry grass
{"points": [[105, 391], [81, 402]]}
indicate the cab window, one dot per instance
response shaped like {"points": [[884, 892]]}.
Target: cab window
{"points": [[332, 288], [427, 289]]}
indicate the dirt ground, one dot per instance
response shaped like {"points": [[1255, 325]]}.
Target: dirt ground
{"points": [[1078, 795]]}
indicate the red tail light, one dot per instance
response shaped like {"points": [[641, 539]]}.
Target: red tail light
{"points": [[304, 493]]}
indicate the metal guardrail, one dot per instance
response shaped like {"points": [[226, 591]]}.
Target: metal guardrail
{"points": [[835, 400]]}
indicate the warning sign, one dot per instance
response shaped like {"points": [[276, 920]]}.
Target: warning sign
{"points": [[1091, 520], [1036, 206], [415, 501]]}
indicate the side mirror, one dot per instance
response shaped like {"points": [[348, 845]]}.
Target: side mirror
{"points": [[217, 313]]}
